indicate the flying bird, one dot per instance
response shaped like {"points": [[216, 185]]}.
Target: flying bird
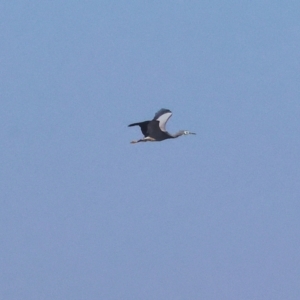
{"points": [[155, 130]]}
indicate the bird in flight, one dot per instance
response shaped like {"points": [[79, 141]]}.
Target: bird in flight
{"points": [[155, 130]]}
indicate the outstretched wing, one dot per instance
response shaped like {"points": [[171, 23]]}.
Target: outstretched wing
{"points": [[143, 125], [162, 116]]}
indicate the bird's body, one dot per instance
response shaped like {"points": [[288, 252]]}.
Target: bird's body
{"points": [[155, 129]]}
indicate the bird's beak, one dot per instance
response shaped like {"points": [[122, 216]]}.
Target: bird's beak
{"points": [[192, 133]]}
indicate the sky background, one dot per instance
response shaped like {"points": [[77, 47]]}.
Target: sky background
{"points": [[87, 215]]}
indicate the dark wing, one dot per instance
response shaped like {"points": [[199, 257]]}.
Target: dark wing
{"points": [[162, 116], [144, 127]]}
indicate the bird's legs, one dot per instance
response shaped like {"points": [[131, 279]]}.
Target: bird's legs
{"points": [[145, 139], [134, 142]]}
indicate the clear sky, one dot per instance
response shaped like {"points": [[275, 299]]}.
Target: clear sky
{"points": [[87, 215]]}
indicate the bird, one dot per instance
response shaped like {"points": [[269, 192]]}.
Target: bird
{"points": [[155, 130]]}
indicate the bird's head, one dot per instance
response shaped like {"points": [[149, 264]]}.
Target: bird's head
{"points": [[186, 132], [182, 132]]}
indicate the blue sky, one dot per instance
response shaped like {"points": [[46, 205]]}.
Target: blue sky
{"points": [[85, 214]]}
